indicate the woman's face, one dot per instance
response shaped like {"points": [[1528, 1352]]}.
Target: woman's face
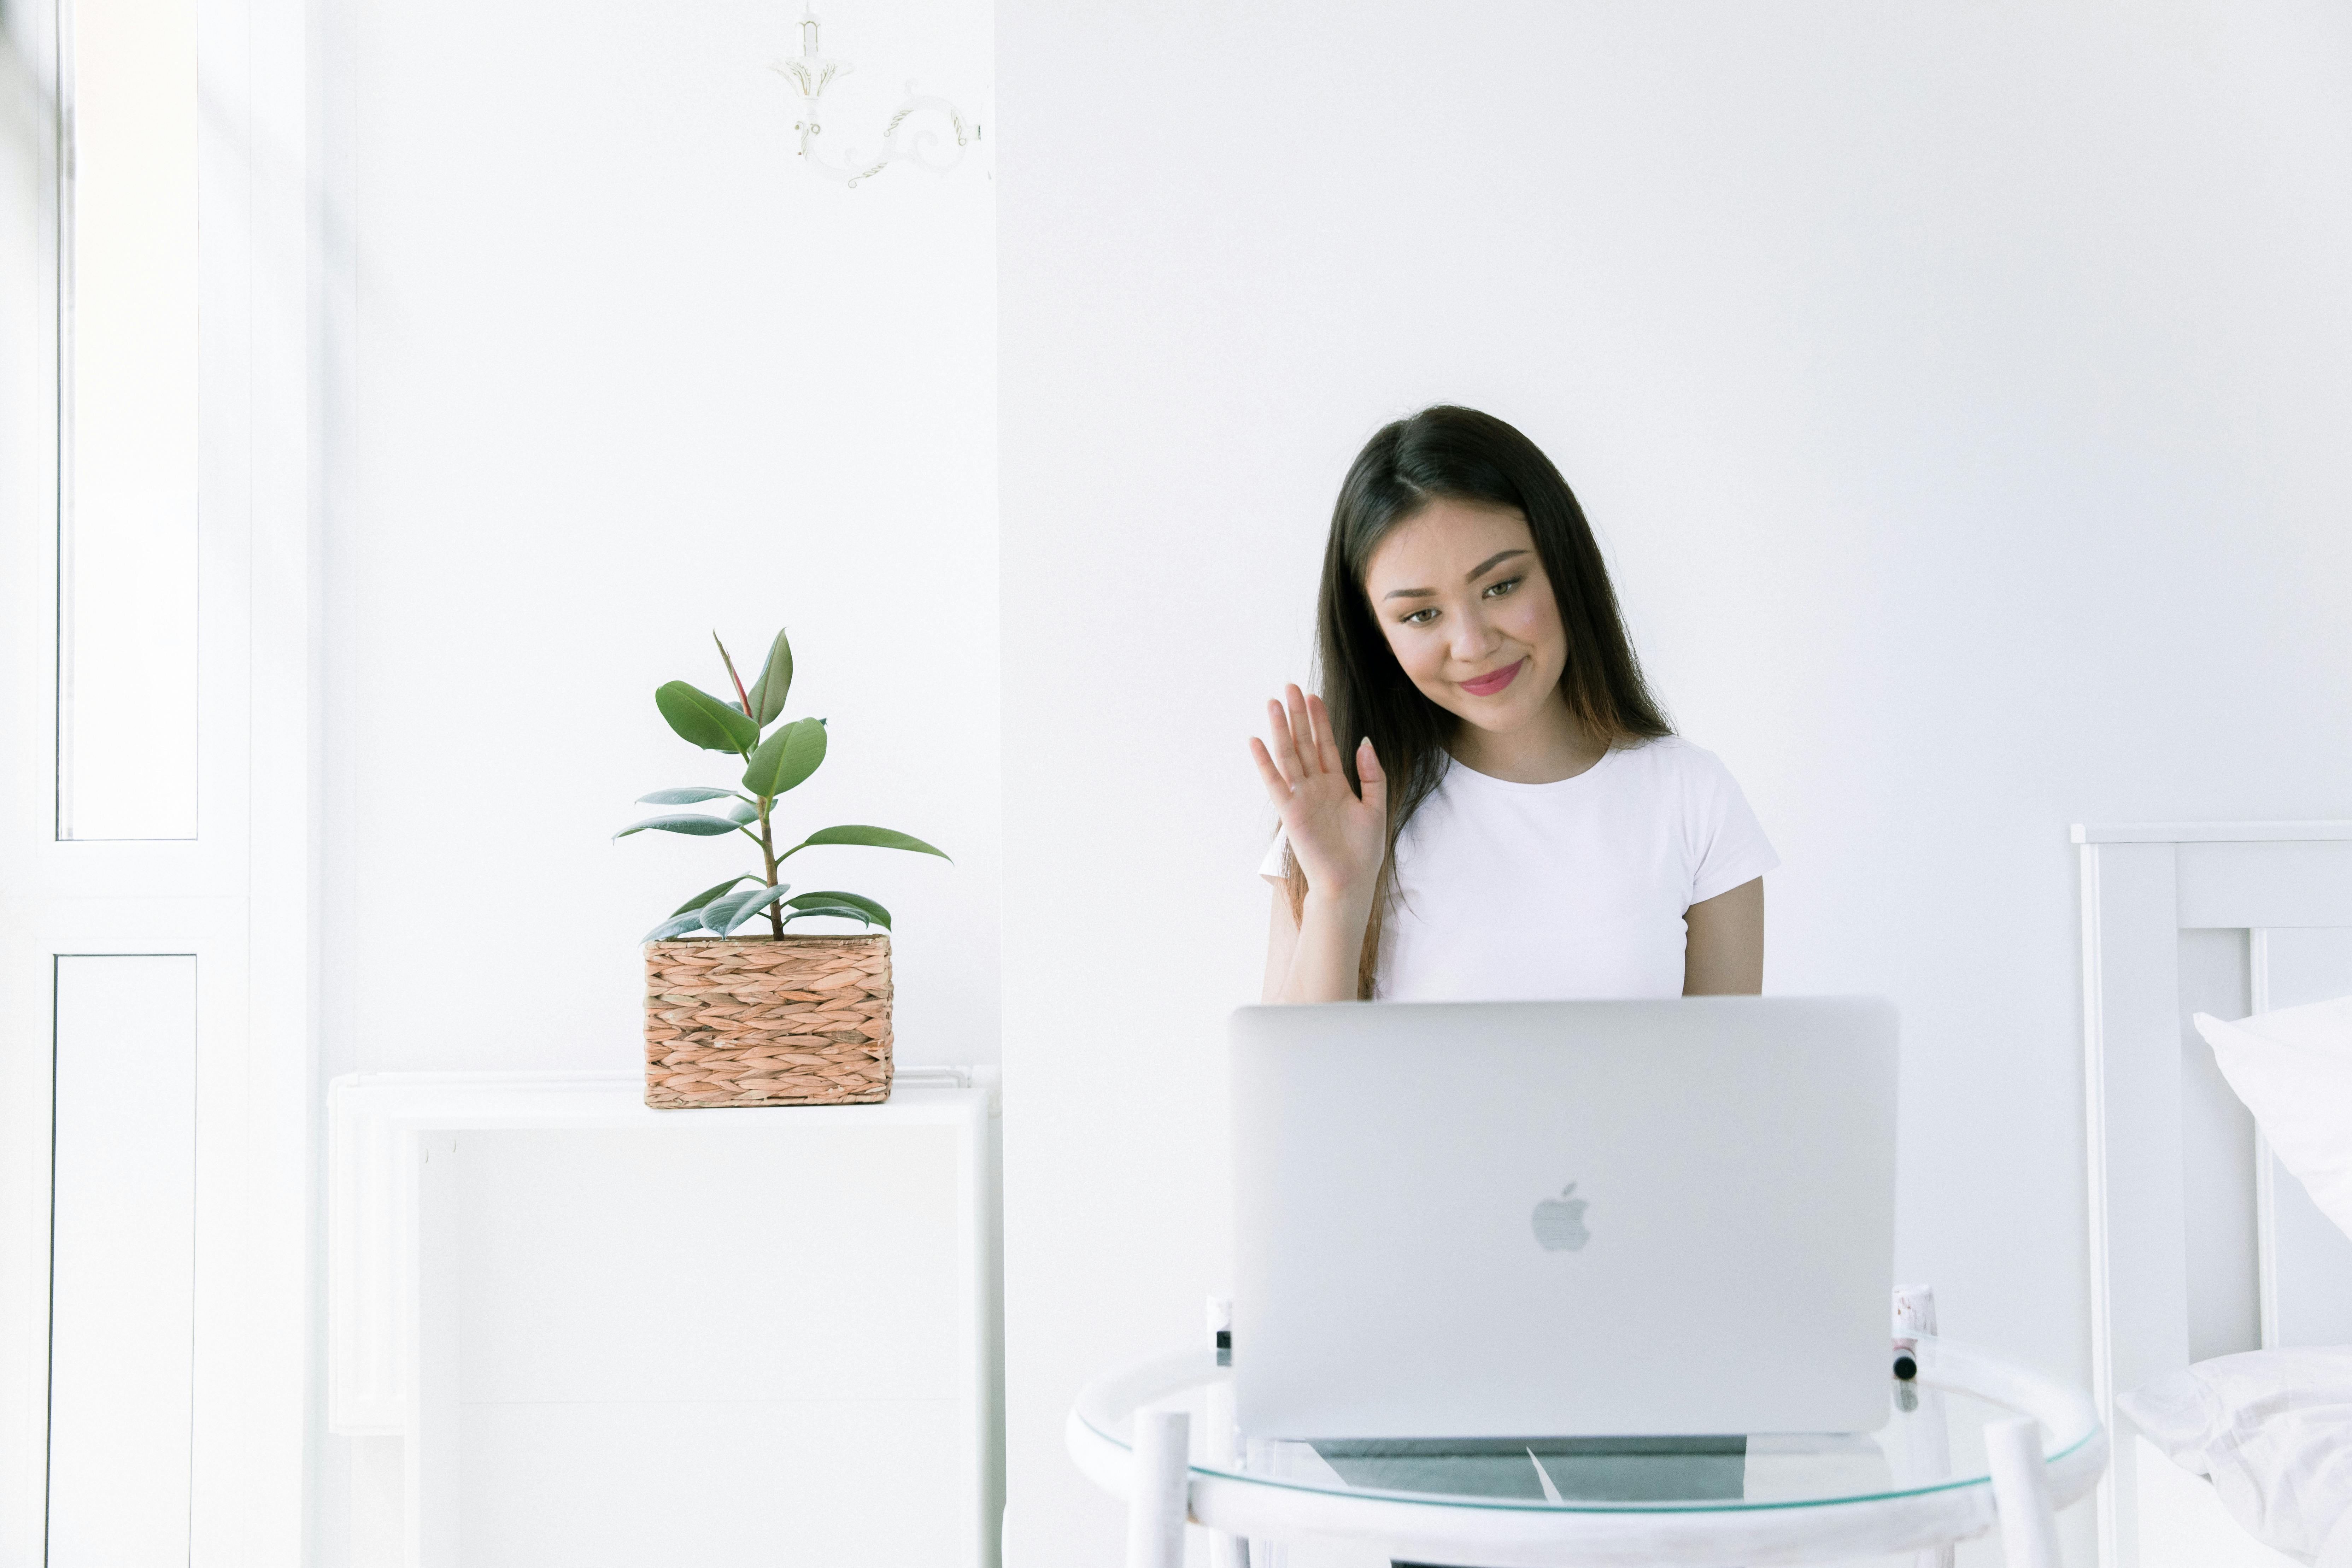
{"points": [[1468, 610]]}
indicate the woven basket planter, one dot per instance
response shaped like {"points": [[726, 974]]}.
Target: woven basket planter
{"points": [[765, 1020]]}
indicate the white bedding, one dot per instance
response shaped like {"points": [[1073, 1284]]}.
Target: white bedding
{"points": [[2293, 1068], [2182, 1523], [2273, 1429]]}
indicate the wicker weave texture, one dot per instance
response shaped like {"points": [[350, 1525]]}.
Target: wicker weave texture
{"points": [[794, 1020]]}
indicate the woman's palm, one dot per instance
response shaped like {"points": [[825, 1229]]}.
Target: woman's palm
{"points": [[1339, 838]]}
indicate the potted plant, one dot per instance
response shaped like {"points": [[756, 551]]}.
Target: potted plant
{"points": [[773, 1019]]}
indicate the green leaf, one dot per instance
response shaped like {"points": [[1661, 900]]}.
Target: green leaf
{"points": [[835, 911], [725, 914], [743, 812], [831, 912], [872, 837], [704, 721], [733, 680], [853, 905], [687, 796], [786, 757], [677, 925], [682, 822], [759, 774], [707, 894], [768, 691]]}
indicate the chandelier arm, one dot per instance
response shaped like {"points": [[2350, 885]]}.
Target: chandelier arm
{"points": [[908, 136]]}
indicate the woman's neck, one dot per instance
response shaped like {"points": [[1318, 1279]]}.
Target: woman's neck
{"points": [[1550, 747]]}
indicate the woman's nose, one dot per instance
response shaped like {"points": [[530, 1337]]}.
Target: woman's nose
{"points": [[1475, 639]]}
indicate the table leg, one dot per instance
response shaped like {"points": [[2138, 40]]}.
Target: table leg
{"points": [[1217, 1448], [1158, 1490], [1915, 1313], [2021, 1490]]}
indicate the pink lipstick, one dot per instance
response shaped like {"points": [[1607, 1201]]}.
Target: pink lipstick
{"points": [[1488, 684]]}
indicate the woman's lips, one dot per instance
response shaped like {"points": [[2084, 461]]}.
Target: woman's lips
{"points": [[1488, 684]]}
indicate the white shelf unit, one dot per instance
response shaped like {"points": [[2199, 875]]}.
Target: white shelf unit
{"points": [[607, 1334]]}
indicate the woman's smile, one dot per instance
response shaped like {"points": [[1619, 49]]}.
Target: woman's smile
{"points": [[1493, 680]]}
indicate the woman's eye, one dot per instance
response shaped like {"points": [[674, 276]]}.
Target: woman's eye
{"points": [[1496, 590], [1420, 617]]}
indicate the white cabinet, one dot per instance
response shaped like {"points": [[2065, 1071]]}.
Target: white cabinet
{"points": [[609, 1335]]}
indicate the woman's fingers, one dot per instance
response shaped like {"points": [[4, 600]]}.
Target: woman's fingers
{"points": [[1277, 789], [1326, 750], [1301, 749], [1302, 731], [1282, 745], [1375, 782]]}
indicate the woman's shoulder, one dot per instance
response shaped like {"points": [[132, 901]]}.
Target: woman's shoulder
{"points": [[1671, 768], [1677, 757], [1725, 844]]}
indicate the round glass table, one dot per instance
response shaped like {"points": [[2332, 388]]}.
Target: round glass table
{"points": [[1971, 1440]]}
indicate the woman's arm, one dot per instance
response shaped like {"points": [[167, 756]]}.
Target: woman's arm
{"points": [[1281, 942], [1318, 963], [1724, 953]]}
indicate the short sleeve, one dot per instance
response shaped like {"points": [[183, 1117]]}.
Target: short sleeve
{"points": [[1726, 843], [1271, 868]]}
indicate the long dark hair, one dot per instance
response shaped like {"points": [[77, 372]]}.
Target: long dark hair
{"points": [[1456, 454]]}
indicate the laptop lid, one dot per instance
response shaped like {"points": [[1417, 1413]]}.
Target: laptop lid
{"points": [[1563, 1219]]}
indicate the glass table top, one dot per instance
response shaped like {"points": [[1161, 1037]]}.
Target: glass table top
{"points": [[1932, 1441]]}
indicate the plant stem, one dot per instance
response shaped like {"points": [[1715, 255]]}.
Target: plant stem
{"points": [[768, 849]]}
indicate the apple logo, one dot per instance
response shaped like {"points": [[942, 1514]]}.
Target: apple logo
{"points": [[1559, 1222]]}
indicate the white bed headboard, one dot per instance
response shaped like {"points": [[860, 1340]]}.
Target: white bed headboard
{"points": [[2200, 1246]]}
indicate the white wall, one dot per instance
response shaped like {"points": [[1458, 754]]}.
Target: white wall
{"points": [[608, 370], [604, 369], [1960, 394]]}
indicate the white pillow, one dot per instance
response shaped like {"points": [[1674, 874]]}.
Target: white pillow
{"points": [[2292, 1068], [2274, 1428]]}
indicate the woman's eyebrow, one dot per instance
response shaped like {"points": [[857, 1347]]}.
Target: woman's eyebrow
{"points": [[1472, 575]]}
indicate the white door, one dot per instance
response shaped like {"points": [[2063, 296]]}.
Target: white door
{"points": [[155, 1106]]}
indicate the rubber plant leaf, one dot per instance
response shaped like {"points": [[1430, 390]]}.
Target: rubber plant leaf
{"points": [[786, 757], [683, 822], [831, 911], [852, 904], [686, 797], [704, 721], [675, 926], [723, 915], [768, 691], [707, 894], [744, 703], [872, 837]]}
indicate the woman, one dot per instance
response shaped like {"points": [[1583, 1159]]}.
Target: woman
{"points": [[1528, 827]]}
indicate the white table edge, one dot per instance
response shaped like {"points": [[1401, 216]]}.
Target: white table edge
{"points": [[1600, 1537]]}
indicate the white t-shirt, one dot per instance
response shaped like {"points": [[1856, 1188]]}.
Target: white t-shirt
{"points": [[1516, 892]]}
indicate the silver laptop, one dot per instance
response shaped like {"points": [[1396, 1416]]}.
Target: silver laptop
{"points": [[1563, 1219]]}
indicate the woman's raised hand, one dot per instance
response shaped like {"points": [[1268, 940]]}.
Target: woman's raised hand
{"points": [[1339, 838]]}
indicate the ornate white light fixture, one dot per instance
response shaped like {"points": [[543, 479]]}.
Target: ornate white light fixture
{"points": [[908, 137]]}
